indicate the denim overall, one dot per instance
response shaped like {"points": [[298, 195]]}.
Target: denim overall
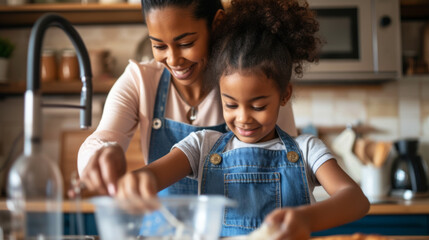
{"points": [[260, 180], [165, 133]]}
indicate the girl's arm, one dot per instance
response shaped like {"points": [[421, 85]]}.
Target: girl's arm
{"points": [[347, 203], [144, 183]]}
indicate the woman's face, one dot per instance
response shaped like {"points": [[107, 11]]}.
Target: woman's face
{"points": [[180, 42]]}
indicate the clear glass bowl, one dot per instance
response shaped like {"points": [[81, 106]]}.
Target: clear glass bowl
{"points": [[179, 217]]}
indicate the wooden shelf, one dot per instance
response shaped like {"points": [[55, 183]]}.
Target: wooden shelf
{"points": [[76, 13], [52, 88]]}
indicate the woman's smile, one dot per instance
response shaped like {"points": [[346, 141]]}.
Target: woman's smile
{"points": [[180, 42], [183, 73]]}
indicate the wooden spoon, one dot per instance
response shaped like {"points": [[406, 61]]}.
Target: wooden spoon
{"points": [[359, 150], [382, 150], [370, 150]]}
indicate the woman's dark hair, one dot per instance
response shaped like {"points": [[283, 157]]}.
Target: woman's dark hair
{"points": [[270, 36], [202, 8]]}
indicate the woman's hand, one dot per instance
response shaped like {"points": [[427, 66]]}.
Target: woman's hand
{"points": [[103, 171], [291, 224]]}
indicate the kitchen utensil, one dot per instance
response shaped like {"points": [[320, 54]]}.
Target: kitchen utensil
{"points": [[343, 146], [360, 150], [375, 182], [370, 150], [77, 188], [409, 172], [381, 152], [198, 217]]}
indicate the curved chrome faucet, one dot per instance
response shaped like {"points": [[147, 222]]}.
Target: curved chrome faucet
{"points": [[33, 103]]}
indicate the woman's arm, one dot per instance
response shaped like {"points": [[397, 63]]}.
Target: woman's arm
{"points": [[101, 165], [346, 204]]}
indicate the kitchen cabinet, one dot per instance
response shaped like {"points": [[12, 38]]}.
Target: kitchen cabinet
{"points": [[414, 9], [76, 13], [124, 13], [390, 218], [408, 218], [402, 218]]}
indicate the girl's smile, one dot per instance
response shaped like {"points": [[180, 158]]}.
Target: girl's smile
{"points": [[251, 103], [246, 132]]}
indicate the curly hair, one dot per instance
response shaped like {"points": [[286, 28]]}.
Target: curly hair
{"points": [[272, 36]]}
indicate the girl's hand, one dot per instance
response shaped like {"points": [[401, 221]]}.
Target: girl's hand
{"points": [[139, 190], [291, 224], [103, 171]]}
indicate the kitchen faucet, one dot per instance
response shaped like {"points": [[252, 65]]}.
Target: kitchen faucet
{"points": [[35, 180], [32, 105]]}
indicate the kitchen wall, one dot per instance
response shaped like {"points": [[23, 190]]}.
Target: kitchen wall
{"points": [[397, 109]]}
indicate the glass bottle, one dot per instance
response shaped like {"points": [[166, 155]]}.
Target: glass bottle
{"points": [[35, 190], [35, 187]]}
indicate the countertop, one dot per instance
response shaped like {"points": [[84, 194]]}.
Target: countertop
{"points": [[389, 206]]}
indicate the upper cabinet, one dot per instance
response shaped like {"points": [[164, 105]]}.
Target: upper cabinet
{"points": [[94, 13], [414, 9], [76, 13]]}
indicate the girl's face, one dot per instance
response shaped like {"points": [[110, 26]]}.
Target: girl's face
{"points": [[251, 104], [180, 42]]}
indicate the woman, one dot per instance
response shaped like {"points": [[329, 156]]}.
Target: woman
{"points": [[166, 97]]}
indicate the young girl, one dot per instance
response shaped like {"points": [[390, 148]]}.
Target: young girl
{"points": [[258, 44]]}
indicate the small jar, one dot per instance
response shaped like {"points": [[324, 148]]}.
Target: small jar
{"points": [[69, 66], [48, 66]]}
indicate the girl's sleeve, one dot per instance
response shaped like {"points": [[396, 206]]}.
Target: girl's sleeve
{"points": [[120, 118], [315, 154], [196, 146]]}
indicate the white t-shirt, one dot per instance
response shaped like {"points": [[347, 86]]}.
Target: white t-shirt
{"points": [[197, 145]]}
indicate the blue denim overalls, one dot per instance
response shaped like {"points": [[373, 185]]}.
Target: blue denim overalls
{"points": [[260, 180], [165, 133]]}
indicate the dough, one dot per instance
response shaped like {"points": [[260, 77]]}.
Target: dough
{"points": [[356, 236], [265, 231]]}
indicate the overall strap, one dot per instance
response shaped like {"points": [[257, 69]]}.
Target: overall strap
{"points": [[161, 95], [221, 142], [290, 143]]}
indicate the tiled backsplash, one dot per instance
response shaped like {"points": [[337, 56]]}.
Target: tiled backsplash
{"points": [[397, 109]]}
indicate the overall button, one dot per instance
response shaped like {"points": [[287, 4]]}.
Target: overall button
{"points": [[292, 156], [157, 123], [215, 159]]}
